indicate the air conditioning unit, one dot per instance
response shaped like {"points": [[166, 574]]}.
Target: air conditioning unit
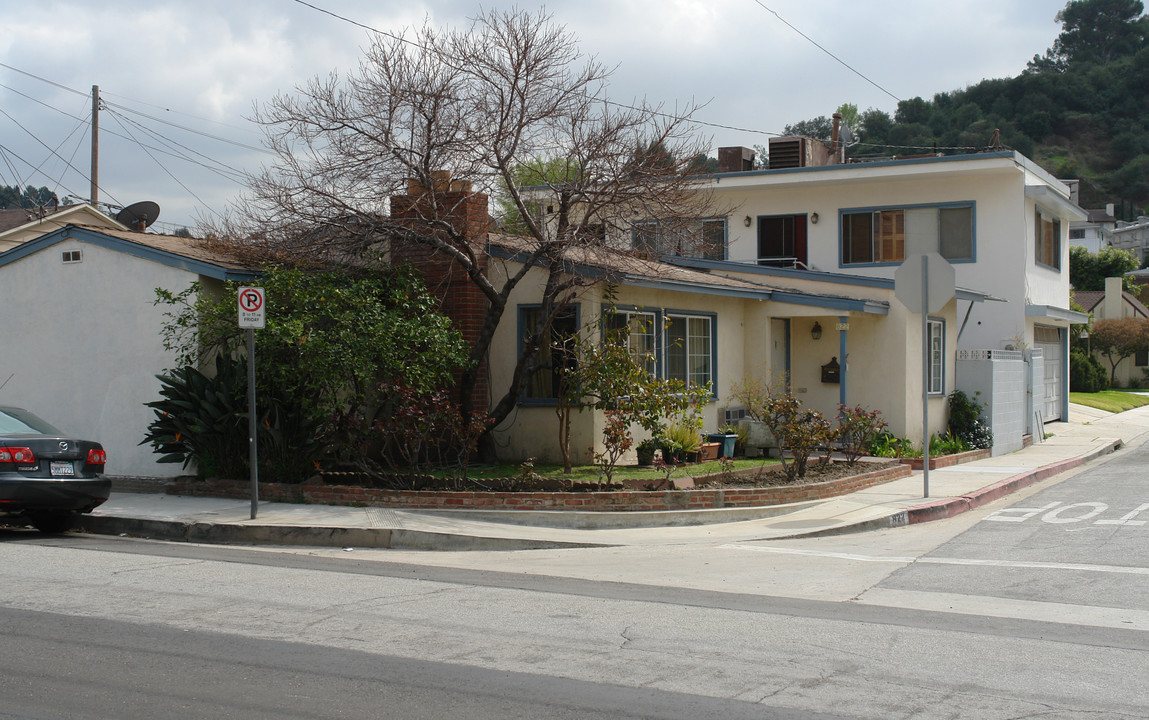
{"points": [[732, 415], [798, 152]]}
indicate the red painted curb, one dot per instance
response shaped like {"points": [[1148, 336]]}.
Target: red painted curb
{"points": [[949, 507]]}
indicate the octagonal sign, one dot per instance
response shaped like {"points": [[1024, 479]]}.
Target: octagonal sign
{"points": [[925, 278]]}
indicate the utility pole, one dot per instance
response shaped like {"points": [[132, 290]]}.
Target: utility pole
{"points": [[94, 192]]}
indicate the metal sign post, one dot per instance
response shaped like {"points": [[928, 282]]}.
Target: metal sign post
{"points": [[925, 283], [253, 316]]}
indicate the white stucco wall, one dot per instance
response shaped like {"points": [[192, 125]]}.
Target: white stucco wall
{"points": [[88, 346]]}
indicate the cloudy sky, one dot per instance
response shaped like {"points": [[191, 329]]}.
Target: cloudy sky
{"points": [[182, 76]]}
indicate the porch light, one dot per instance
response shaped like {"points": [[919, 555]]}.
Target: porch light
{"points": [[816, 331], [747, 222]]}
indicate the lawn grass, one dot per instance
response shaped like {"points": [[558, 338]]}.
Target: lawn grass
{"points": [[1110, 400], [589, 473]]}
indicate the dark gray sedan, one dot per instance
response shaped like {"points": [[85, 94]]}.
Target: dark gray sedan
{"points": [[46, 476]]}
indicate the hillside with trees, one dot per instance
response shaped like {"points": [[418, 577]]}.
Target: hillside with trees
{"points": [[12, 197], [1079, 110]]}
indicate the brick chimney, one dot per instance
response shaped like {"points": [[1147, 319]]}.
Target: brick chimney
{"points": [[459, 298]]}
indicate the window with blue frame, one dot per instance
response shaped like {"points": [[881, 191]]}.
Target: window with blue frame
{"points": [[689, 349], [639, 330], [673, 344], [879, 235]]}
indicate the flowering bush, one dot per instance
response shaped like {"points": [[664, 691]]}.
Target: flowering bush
{"points": [[857, 428]]}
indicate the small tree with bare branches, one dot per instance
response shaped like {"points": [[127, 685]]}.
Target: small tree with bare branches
{"points": [[511, 107]]}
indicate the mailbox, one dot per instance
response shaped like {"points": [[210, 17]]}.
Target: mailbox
{"points": [[832, 372]]}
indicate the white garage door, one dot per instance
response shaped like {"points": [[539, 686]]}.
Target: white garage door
{"points": [[1048, 339]]}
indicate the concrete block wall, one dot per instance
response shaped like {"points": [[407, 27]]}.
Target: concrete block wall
{"points": [[999, 379]]}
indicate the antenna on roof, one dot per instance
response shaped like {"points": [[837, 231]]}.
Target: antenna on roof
{"points": [[139, 216]]}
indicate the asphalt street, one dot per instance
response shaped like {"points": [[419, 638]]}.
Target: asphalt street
{"points": [[1035, 605]]}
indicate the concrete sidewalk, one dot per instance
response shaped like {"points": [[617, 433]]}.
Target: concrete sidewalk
{"points": [[1089, 434]]}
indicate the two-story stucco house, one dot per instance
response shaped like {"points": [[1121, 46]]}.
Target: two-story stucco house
{"points": [[999, 219]]}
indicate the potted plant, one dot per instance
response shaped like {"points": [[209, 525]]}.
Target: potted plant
{"points": [[682, 442], [646, 450]]}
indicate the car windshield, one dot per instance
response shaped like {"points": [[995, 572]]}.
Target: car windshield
{"points": [[14, 421]]}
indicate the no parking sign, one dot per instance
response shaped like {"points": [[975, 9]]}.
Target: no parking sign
{"points": [[252, 308]]}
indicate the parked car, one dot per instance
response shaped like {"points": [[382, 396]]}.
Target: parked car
{"points": [[46, 476]]}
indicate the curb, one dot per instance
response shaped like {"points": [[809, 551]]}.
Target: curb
{"points": [[957, 505], [953, 506], [382, 538]]}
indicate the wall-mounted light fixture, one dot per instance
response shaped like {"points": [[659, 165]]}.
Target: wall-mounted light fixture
{"points": [[813, 218], [747, 222], [816, 331]]}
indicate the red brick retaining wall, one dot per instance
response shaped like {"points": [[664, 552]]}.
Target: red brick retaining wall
{"points": [[622, 500], [948, 460]]}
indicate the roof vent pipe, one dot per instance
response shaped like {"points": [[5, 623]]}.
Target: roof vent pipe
{"points": [[835, 147]]}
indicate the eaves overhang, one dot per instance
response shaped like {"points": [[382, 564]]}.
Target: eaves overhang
{"points": [[1050, 198], [960, 293], [94, 237], [1051, 312]]}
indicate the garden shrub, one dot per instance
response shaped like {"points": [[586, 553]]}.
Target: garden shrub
{"points": [[966, 422], [857, 428], [1086, 374]]}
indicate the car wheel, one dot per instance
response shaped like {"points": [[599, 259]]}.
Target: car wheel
{"points": [[52, 523]]}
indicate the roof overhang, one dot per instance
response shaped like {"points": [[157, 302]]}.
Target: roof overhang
{"points": [[95, 237], [817, 276], [1050, 312], [1050, 198]]}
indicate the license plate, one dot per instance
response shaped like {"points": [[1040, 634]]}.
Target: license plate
{"points": [[63, 468]]}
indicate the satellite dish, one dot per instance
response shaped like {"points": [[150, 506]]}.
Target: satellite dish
{"points": [[139, 216]]}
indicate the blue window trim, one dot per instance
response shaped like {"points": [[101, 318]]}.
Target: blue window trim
{"points": [[658, 331], [912, 206], [519, 342], [668, 312], [942, 322]]}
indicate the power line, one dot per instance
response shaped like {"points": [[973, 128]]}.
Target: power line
{"points": [[8, 151], [218, 138], [229, 172], [815, 44], [33, 136], [116, 117]]}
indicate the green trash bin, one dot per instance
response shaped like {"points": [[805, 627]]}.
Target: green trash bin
{"points": [[727, 440]]}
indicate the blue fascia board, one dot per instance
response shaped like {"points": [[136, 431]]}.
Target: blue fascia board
{"points": [[695, 288], [110, 242], [872, 307]]}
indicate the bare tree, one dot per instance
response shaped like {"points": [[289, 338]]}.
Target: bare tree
{"points": [[510, 93]]}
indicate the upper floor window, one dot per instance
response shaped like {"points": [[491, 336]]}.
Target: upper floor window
{"points": [[1047, 243], [705, 239], [782, 240], [877, 236], [883, 235]]}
